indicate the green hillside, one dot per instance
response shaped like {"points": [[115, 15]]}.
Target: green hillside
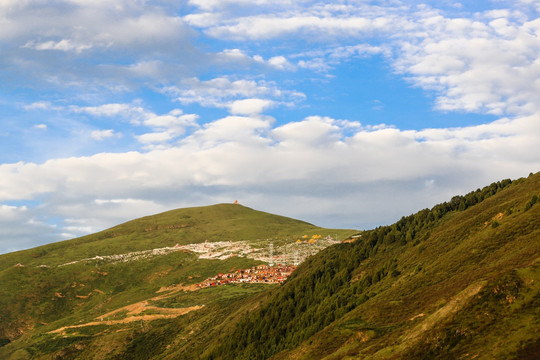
{"points": [[80, 281], [223, 222], [460, 280]]}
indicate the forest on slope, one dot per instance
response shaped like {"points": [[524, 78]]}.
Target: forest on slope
{"points": [[466, 270]]}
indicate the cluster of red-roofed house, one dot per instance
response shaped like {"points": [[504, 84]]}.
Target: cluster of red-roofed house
{"points": [[257, 274]]}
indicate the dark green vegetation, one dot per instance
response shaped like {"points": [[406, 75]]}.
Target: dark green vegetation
{"points": [[442, 283], [460, 280]]}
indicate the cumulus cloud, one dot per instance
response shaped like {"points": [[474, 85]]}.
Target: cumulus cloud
{"points": [[484, 65], [306, 18], [223, 92], [480, 64], [212, 5], [315, 160], [89, 24], [324, 59], [236, 56], [100, 135], [84, 40], [249, 106], [216, 91], [62, 45], [174, 119], [231, 131], [166, 128], [38, 105], [281, 63], [133, 112], [328, 171]]}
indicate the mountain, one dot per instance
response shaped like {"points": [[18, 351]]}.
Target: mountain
{"points": [[72, 296], [459, 280]]}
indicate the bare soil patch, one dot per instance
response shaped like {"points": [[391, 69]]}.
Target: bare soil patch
{"points": [[169, 314]]}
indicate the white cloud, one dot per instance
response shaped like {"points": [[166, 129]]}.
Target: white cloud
{"points": [[94, 45], [11, 212], [481, 65], [223, 92], [268, 27], [41, 126], [100, 135], [166, 128], [267, 20], [308, 169], [62, 45], [212, 5], [155, 137], [281, 63], [236, 56], [216, 91], [125, 110], [128, 206], [324, 59], [89, 24], [39, 105], [310, 161], [147, 68], [234, 131], [530, 3], [241, 58], [249, 106], [174, 119], [314, 131], [203, 19]]}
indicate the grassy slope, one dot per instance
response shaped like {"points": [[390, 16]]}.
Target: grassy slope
{"points": [[35, 300], [470, 289], [466, 285], [223, 222]]}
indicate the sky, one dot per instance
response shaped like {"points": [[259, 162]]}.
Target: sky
{"points": [[345, 114]]}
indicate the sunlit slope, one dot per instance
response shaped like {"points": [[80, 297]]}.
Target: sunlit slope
{"points": [[53, 295], [223, 222], [461, 280]]}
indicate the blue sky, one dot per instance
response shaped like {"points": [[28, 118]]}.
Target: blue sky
{"points": [[341, 113]]}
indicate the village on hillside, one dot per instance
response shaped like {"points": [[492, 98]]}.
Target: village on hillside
{"points": [[288, 257], [261, 274], [290, 253]]}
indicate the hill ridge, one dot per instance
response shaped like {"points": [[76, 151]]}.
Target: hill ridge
{"points": [[220, 222], [445, 249], [131, 262]]}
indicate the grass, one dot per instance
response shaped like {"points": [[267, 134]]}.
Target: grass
{"points": [[433, 273], [223, 222], [36, 299]]}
